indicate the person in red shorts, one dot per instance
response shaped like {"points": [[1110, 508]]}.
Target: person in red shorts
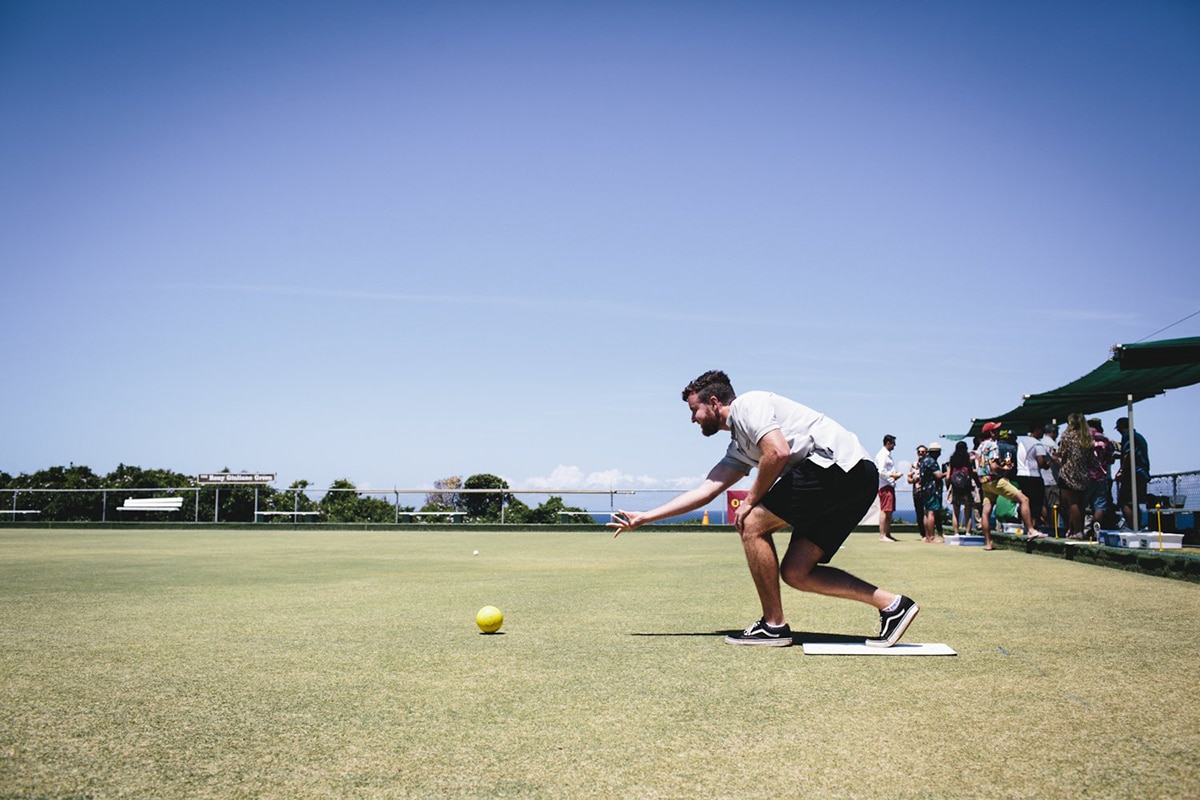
{"points": [[887, 487]]}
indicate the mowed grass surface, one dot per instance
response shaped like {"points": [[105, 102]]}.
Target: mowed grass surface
{"points": [[292, 664]]}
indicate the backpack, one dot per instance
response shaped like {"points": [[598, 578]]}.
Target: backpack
{"points": [[960, 479]]}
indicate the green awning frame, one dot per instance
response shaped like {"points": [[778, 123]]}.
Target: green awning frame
{"points": [[1133, 372]]}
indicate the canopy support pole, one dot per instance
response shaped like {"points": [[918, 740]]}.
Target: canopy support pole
{"points": [[1132, 476]]}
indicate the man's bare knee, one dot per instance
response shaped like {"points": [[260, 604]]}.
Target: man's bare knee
{"points": [[802, 558], [797, 576], [761, 524]]}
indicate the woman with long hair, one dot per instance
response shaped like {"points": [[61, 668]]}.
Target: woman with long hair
{"points": [[962, 482], [1075, 457]]}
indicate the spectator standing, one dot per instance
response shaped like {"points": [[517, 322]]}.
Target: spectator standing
{"points": [[1075, 457], [1099, 492], [1141, 472], [914, 479], [1032, 458], [931, 489], [962, 480], [887, 487], [1050, 477], [992, 470]]}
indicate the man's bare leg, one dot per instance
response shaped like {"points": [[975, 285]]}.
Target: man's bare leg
{"points": [[985, 521], [885, 527], [763, 561], [801, 570]]}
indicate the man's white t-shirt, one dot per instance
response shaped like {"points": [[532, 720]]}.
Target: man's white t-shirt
{"points": [[1029, 450], [1048, 473], [810, 434], [886, 465]]}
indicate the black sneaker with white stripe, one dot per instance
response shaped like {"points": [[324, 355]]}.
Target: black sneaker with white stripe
{"points": [[893, 624], [762, 634]]}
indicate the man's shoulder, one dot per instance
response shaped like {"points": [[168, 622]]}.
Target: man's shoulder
{"points": [[748, 402], [752, 399]]}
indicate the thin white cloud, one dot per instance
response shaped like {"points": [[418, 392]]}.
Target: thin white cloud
{"points": [[1080, 315], [379, 297], [574, 306], [572, 478]]}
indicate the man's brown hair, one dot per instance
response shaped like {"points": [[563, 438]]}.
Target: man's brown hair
{"points": [[713, 383]]}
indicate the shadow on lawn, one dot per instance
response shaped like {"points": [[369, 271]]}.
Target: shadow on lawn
{"points": [[798, 637]]}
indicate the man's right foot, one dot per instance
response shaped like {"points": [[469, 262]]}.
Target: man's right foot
{"points": [[893, 624], [760, 633]]}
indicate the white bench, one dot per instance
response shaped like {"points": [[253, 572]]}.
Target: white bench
{"points": [[152, 504], [22, 511]]}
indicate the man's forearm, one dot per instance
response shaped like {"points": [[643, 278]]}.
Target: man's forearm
{"points": [[769, 470], [688, 501]]}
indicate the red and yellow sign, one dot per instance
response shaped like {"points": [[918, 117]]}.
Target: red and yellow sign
{"points": [[733, 499]]}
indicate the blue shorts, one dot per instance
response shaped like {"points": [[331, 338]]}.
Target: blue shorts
{"points": [[824, 505], [1097, 496]]}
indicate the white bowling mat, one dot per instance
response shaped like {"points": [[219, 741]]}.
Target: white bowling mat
{"points": [[857, 649]]}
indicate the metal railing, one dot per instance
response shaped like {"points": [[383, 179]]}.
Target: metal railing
{"points": [[266, 506], [1181, 488]]}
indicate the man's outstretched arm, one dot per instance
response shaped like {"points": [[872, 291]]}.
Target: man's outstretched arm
{"points": [[720, 478]]}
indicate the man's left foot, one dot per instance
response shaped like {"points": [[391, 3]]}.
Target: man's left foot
{"points": [[893, 624], [760, 633]]}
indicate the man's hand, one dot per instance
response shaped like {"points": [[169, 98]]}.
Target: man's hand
{"points": [[625, 521], [739, 515]]}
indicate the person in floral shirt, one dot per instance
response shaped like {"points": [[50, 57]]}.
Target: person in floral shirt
{"points": [[993, 483]]}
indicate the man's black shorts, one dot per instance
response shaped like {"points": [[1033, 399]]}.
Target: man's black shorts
{"points": [[1125, 491], [1033, 487], [824, 505]]}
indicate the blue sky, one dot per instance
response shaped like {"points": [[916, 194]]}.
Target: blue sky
{"points": [[395, 242]]}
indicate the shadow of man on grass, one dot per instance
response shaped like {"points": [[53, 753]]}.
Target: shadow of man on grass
{"points": [[798, 637]]}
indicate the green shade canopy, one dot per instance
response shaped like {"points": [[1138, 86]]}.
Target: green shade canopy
{"points": [[1139, 371]]}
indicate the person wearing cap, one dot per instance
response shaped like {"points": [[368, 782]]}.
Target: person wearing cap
{"points": [[993, 483], [887, 487], [1141, 471], [931, 490]]}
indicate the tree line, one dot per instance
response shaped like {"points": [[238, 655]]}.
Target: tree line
{"points": [[80, 495]]}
